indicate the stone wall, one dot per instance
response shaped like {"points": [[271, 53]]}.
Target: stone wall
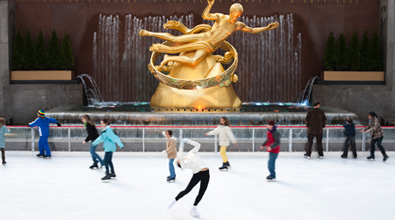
{"points": [[4, 51], [24, 100]]}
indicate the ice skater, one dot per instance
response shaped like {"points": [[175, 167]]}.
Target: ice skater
{"points": [[225, 137], [200, 173], [272, 145], [3, 131], [349, 131], [315, 122], [92, 135], [171, 152], [377, 134], [109, 139], [42, 123]]}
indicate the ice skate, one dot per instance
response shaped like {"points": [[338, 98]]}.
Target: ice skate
{"points": [[113, 176], [40, 155], [46, 157], [385, 158], [94, 166], [344, 157], [4, 163], [172, 203], [270, 179], [223, 168], [194, 212], [307, 157], [321, 157], [370, 158], [106, 178], [171, 179], [227, 164]]}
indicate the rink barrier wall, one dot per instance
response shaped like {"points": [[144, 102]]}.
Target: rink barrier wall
{"points": [[150, 139]]}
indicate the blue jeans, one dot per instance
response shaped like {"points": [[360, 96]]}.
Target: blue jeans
{"points": [[43, 146], [95, 157], [171, 168], [272, 164], [108, 162]]}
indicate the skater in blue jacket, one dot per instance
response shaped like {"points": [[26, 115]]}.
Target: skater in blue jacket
{"points": [[42, 123], [109, 140]]}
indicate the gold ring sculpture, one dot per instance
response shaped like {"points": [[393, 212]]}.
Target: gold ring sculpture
{"points": [[196, 77]]}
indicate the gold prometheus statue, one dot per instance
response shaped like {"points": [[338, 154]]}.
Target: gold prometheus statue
{"points": [[197, 78]]}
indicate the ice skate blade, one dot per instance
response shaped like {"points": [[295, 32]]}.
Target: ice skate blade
{"points": [[271, 180], [106, 181], [170, 181]]}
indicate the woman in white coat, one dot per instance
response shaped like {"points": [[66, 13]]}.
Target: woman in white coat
{"points": [[200, 172], [225, 137]]}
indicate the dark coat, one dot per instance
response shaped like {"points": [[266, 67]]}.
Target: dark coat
{"points": [[92, 132], [349, 129], [315, 121]]}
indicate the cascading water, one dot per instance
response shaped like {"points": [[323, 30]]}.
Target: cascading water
{"points": [[269, 66], [92, 92]]}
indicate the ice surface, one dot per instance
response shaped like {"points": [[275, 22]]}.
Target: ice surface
{"points": [[64, 188]]}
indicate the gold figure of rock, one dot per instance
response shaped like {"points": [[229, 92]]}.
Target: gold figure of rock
{"points": [[197, 78]]}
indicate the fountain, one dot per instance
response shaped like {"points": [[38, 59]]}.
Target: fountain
{"points": [[276, 77]]}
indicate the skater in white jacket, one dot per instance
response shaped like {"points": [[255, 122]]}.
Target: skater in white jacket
{"points": [[200, 172], [225, 137]]}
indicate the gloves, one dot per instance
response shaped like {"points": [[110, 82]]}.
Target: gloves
{"points": [[59, 124]]}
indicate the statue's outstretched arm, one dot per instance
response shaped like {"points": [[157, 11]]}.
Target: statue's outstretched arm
{"points": [[206, 13], [261, 29]]}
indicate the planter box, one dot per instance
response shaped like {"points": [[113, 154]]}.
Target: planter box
{"points": [[42, 75], [352, 76]]}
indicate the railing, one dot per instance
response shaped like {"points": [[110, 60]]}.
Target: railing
{"points": [[149, 138]]}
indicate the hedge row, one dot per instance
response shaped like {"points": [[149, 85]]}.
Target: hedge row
{"points": [[30, 55]]}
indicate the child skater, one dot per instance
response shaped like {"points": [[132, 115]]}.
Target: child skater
{"points": [[3, 131], [92, 135], [225, 136], [109, 140], [349, 131], [200, 173], [171, 152], [42, 123], [272, 145]]}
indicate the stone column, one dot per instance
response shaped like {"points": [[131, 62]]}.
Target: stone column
{"points": [[4, 51], [387, 25]]}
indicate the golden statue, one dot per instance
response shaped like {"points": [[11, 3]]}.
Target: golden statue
{"points": [[197, 78]]}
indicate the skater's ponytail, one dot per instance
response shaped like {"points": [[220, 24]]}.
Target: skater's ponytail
{"points": [[88, 119], [372, 114], [106, 121], [2, 122]]}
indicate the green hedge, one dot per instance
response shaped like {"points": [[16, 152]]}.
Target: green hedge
{"points": [[30, 55], [355, 56]]}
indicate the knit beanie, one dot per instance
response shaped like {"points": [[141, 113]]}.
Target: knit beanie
{"points": [[41, 113]]}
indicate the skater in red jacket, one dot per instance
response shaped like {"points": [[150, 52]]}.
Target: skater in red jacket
{"points": [[272, 145]]}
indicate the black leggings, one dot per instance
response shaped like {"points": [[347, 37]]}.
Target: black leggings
{"points": [[203, 177], [2, 154]]}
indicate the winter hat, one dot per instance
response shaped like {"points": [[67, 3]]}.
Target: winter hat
{"points": [[41, 113], [271, 122]]}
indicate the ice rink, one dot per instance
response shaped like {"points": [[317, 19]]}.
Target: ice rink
{"points": [[65, 188]]}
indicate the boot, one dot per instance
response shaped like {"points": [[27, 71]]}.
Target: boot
{"points": [[385, 158], [224, 167], [106, 177], [227, 164], [112, 175], [94, 166], [370, 157]]}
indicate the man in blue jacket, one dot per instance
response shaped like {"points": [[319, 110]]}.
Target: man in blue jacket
{"points": [[42, 123]]}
